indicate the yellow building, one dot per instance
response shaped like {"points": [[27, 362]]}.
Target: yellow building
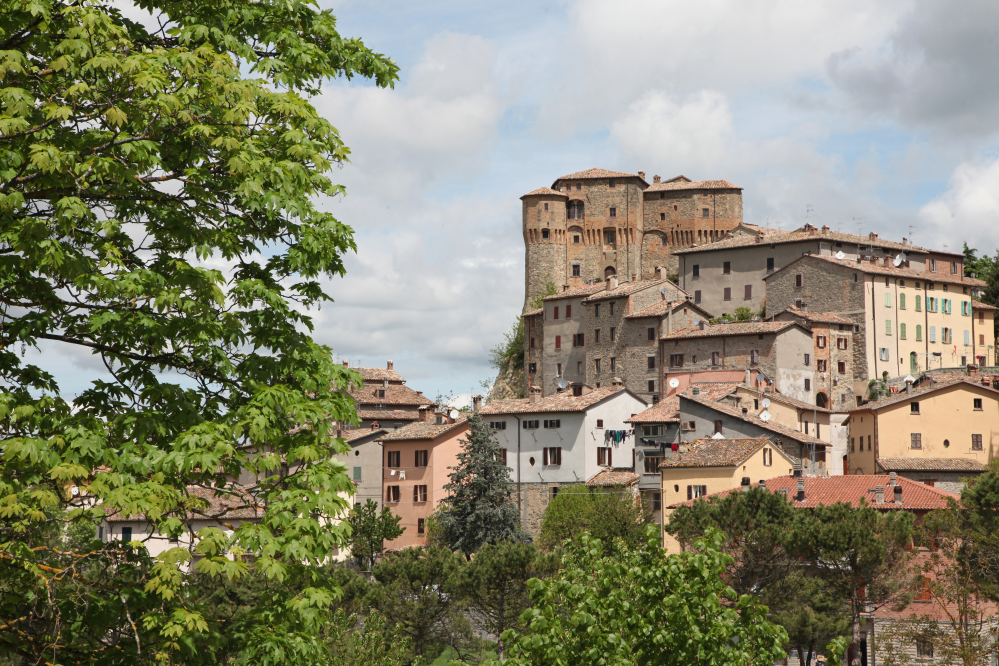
{"points": [[934, 420], [707, 466]]}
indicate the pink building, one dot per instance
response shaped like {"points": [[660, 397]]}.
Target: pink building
{"points": [[415, 462]]}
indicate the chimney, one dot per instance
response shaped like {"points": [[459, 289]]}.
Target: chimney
{"points": [[617, 382], [825, 228], [700, 324], [339, 433], [892, 479], [385, 383], [656, 179], [745, 484], [535, 395], [374, 425], [419, 393], [763, 484], [389, 365], [797, 471], [634, 278], [346, 363], [972, 369], [476, 402], [873, 236], [745, 410], [612, 283], [660, 274], [879, 494], [641, 174], [696, 390], [898, 494], [801, 490]]}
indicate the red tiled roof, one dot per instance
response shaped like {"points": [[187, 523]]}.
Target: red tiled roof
{"points": [[557, 402], [777, 429], [789, 401], [232, 502], [361, 433], [797, 236], [717, 452], [667, 411], [817, 317], [395, 394], [614, 476], [873, 269], [734, 328], [421, 430], [827, 490], [674, 184], [533, 313], [388, 415], [544, 191], [978, 305], [921, 390], [597, 173], [930, 465], [624, 289], [576, 292], [378, 374], [663, 307]]}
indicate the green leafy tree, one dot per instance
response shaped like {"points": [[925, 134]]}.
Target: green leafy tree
{"points": [[860, 553], [607, 514], [366, 641], [129, 155], [495, 584], [477, 506], [641, 608], [417, 591], [369, 530]]}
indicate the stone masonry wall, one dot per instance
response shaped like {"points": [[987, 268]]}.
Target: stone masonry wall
{"points": [[735, 353], [535, 498]]}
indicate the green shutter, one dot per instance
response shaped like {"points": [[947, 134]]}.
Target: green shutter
{"points": [[357, 474]]}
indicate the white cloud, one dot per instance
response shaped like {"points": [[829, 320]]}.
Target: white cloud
{"points": [[970, 206]]}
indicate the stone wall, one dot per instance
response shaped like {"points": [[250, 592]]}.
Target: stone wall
{"points": [[535, 498]]}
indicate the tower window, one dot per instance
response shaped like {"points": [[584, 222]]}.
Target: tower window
{"points": [[613, 212], [544, 233], [546, 206], [674, 207], [579, 186], [575, 270], [705, 212], [575, 239], [662, 216]]}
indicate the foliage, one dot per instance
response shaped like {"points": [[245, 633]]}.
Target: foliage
{"points": [[643, 607], [495, 584], [369, 530], [366, 641], [417, 592], [510, 352], [477, 507], [985, 268], [835, 650], [130, 156], [876, 389], [606, 513], [741, 314]]}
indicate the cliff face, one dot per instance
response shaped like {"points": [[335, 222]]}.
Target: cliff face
{"points": [[509, 381]]}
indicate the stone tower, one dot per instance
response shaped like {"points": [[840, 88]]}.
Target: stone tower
{"points": [[592, 224]]}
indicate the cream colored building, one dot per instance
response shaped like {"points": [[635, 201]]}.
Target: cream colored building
{"points": [[931, 421], [707, 466]]}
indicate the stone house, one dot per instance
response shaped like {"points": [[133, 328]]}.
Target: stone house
{"points": [[917, 430], [562, 439], [384, 400], [908, 319], [655, 429], [364, 463], [777, 354], [833, 354]]}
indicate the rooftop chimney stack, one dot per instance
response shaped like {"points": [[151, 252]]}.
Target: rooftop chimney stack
{"points": [[656, 179], [892, 479], [535, 395], [879, 494], [641, 174], [612, 283], [801, 490], [389, 365], [696, 390], [476, 402], [385, 383], [346, 363], [763, 484], [700, 324], [898, 494], [745, 484]]}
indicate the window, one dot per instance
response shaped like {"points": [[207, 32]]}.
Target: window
{"points": [[357, 474], [579, 367], [901, 331], [552, 455], [933, 333], [596, 310], [808, 359], [719, 427], [696, 270], [915, 440], [652, 430], [394, 458], [576, 269], [808, 384], [840, 343], [612, 183], [981, 338], [924, 648], [797, 280], [652, 386], [546, 206], [693, 492], [578, 390], [613, 330], [967, 338], [532, 368], [613, 364], [768, 456], [651, 332], [715, 358], [613, 212], [820, 341], [728, 294], [612, 310], [841, 367], [657, 501], [901, 301], [977, 404], [596, 336], [697, 296], [392, 494], [919, 303], [953, 268], [650, 362], [914, 408], [421, 458], [919, 332], [676, 360], [976, 442], [705, 212], [421, 525], [596, 365], [662, 216], [770, 263], [933, 265], [568, 312], [579, 186], [553, 423], [419, 493], [604, 456], [502, 456], [555, 312], [497, 425], [600, 423], [544, 232], [754, 356], [126, 534], [531, 425], [726, 267], [575, 239], [887, 326], [748, 292], [820, 364], [558, 343], [883, 353], [981, 317]]}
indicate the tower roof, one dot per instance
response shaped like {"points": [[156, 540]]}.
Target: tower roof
{"points": [[545, 191], [684, 183], [598, 173]]}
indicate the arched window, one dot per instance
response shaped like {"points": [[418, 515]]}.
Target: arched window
{"points": [[609, 271], [821, 400]]}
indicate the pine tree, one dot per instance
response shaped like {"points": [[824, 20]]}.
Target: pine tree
{"points": [[478, 507]]}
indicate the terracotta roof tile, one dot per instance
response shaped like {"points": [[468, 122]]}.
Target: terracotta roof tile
{"points": [[625, 289], [772, 426], [378, 374], [230, 503], [930, 465], [576, 292], [596, 173], [395, 394], [421, 430], [817, 317], [388, 415], [978, 305], [716, 452], [557, 402], [921, 390], [614, 476], [797, 236], [533, 313], [873, 269], [734, 328], [692, 185], [667, 411], [661, 308], [544, 191], [789, 401], [360, 433], [827, 490]]}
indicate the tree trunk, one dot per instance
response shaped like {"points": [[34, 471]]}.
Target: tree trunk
{"points": [[855, 644]]}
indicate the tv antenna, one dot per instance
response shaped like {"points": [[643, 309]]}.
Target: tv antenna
{"points": [[809, 209]]}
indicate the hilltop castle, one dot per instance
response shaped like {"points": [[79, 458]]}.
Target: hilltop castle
{"points": [[594, 224]]}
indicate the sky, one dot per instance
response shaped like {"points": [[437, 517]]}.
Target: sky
{"points": [[874, 116]]}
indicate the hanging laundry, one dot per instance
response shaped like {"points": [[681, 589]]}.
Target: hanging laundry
{"points": [[402, 475]]}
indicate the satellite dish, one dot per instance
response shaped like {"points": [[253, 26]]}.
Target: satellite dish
{"points": [[765, 403], [840, 255], [764, 416], [673, 383], [697, 322], [454, 413], [74, 491], [899, 260], [562, 384]]}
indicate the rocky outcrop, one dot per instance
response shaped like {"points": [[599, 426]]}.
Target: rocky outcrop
{"points": [[509, 381]]}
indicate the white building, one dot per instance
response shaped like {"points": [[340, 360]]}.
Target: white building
{"points": [[562, 440]]}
